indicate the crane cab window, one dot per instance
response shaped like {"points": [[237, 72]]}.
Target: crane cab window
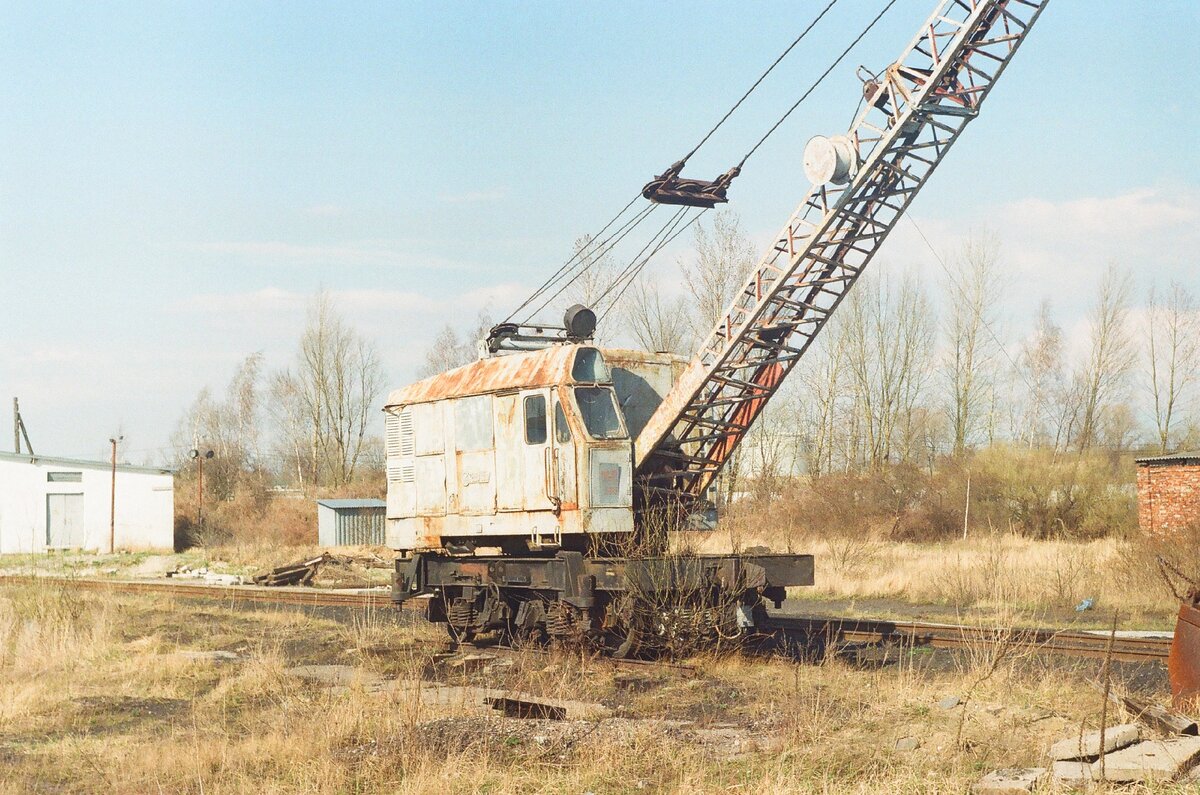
{"points": [[599, 410], [562, 431], [589, 367], [535, 419]]}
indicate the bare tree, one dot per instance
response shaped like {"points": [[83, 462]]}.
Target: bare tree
{"points": [[887, 335], [822, 380], [657, 322], [230, 427], [971, 347], [449, 350], [1040, 367], [724, 258], [293, 431], [1100, 381], [596, 272], [1173, 348], [337, 381]]}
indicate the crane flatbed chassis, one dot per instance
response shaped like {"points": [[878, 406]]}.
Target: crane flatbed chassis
{"points": [[575, 578]]}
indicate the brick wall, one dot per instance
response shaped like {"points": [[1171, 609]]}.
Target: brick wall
{"points": [[1168, 497]]}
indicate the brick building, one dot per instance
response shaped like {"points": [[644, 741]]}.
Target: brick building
{"points": [[1168, 488]]}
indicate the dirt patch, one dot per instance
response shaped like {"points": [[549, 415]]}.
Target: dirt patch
{"points": [[118, 714]]}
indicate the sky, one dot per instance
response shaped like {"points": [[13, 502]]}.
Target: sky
{"points": [[178, 179]]}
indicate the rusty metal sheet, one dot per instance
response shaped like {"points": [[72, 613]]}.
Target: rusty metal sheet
{"points": [[496, 374], [1183, 661]]}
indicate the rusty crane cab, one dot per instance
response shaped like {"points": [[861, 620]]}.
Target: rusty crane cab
{"points": [[525, 451]]}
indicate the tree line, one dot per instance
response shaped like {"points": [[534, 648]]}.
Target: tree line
{"points": [[896, 379]]}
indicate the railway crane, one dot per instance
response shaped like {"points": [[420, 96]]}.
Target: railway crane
{"points": [[530, 492]]}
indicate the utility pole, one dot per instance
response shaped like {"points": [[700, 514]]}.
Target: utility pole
{"points": [[112, 507], [19, 430], [200, 485], [967, 506]]}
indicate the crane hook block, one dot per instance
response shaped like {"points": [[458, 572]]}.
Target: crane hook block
{"points": [[669, 188]]}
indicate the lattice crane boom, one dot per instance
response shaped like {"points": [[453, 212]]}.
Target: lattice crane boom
{"points": [[913, 114]]}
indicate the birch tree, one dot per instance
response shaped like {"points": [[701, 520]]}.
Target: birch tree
{"points": [[1040, 368], [1102, 377], [971, 347], [887, 337]]}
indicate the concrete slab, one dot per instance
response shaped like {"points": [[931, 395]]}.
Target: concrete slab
{"points": [[1072, 773], [1152, 760], [1088, 746], [333, 675], [1009, 781], [218, 656], [484, 700]]}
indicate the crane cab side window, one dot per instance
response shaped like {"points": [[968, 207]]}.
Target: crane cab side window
{"points": [[535, 419], [562, 431], [599, 410]]}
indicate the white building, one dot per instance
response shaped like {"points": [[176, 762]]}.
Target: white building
{"points": [[61, 503]]}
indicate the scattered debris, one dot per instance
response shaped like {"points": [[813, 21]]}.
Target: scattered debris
{"points": [[1009, 781], [949, 702], [1088, 747], [299, 573], [1085, 605], [1159, 718]]}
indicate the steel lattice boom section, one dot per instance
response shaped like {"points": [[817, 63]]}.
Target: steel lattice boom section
{"points": [[912, 116]]}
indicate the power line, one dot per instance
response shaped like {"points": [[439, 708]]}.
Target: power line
{"points": [[600, 251], [564, 267], [818, 82], [761, 77]]}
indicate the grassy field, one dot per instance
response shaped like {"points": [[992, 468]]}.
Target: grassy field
{"points": [[95, 697], [990, 578]]}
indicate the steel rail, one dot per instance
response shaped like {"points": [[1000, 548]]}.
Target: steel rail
{"points": [[360, 598], [827, 629], [1072, 643]]}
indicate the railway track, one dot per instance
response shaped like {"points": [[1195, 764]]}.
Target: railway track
{"points": [[1071, 643], [830, 631]]}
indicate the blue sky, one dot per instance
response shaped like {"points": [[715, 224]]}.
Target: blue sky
{"points": [[176, 179]]}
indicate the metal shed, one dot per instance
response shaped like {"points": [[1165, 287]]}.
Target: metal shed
{"points": [[348, 522]]}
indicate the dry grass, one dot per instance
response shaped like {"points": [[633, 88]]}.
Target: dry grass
{"points": [[93, 699], [986, 574]]}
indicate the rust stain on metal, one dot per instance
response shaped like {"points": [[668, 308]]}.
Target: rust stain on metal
{"points": [[1183, 661], [547, 367]]}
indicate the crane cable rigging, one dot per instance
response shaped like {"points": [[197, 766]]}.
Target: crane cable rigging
{"points": [[668, 188]]}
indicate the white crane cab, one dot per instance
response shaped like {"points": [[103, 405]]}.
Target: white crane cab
{"points": [[522, 451]]}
